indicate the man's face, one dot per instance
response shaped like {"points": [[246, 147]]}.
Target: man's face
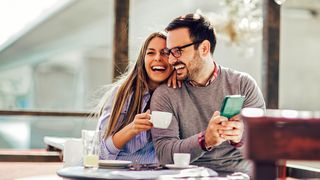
{"points": [[188, 64]]}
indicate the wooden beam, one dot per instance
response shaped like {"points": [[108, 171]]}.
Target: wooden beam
{"points": [[29, 156], [120, 41], [271, 39], [42, 113]]}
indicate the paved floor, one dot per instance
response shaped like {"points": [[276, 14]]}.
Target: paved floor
{"points": [[29, 170]]}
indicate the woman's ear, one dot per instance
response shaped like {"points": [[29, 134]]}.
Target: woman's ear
{"points": [[204, 48]]}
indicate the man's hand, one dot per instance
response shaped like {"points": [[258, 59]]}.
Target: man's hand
{"points": [[232, 129], [212, 136]]}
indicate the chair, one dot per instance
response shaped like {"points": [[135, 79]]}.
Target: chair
{"points": [[278, 135]]}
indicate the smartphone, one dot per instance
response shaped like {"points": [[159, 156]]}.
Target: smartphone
{"points": [[231, 105]]}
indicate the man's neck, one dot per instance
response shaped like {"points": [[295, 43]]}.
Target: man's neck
{"points": [[205, 73]]}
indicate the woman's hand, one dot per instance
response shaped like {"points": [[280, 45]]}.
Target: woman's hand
{"points": [[172, 80], [140, 123]]}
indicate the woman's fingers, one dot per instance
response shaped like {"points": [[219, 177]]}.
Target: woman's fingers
{"points": [[143, 122]]}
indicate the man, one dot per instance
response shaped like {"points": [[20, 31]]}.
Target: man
{"points": [[197, 126]]}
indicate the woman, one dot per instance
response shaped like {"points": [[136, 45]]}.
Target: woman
{"points": [[125, 113]]}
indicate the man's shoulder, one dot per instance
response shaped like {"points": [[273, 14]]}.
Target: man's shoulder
{"points": [[234, 74], [163, 88]]}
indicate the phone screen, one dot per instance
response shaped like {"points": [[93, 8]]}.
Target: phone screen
{"points": [[231, 105]]}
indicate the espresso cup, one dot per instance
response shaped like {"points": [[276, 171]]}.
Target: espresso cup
{"points": [[161, 119], [181, 159]]}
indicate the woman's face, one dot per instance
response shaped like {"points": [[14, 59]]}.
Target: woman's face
{"points": [[156, 62]]}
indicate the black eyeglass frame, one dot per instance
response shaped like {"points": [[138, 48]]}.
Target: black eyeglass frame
{"points": [[178, 49]]}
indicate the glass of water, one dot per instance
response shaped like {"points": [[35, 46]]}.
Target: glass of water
{"points": [[90, 139]]}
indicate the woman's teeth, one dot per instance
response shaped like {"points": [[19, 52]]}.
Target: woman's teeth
{"points": [[158, 68]]}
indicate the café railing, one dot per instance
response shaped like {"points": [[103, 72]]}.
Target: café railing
{"points": [[35, 155]]}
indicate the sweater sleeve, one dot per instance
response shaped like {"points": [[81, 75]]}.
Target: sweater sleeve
{"points": [[167, 141], [107, 147], [253, 94]]}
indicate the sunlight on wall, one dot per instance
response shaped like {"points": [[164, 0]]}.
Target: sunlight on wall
{"points": [[17, 134], [17, 16]]}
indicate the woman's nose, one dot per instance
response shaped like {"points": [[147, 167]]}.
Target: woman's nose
{"points": [[158, 57]]}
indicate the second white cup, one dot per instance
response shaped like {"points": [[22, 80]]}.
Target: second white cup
{"points": [[181, 159]]}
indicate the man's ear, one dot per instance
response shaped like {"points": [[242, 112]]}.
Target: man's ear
{"points": [[204, 48]]}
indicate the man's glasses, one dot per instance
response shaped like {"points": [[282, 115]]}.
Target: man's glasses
{"points": [[177, 51]]}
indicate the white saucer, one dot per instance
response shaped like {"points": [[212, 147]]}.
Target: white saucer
{"points": [[113, 163], [172, 166]]}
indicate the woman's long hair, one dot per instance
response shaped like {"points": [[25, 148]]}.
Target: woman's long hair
{"points": [[135, 83]]}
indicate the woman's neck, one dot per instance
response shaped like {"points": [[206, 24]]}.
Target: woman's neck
{"points": [[152, 85]]}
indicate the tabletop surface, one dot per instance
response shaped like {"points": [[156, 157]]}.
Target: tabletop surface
{"points": [[99, 173]]}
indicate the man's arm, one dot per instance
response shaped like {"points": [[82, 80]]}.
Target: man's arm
{"points": [[252, 93], [233, 130], [167, 141]]}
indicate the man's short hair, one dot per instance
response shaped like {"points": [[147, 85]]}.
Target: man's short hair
{"points": [[200, 28]]}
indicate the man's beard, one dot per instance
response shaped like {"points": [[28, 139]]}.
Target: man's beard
{"points": [[195, 67]]}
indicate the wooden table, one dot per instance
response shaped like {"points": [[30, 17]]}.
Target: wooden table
{"points": [[277, 135], [303, 169]]}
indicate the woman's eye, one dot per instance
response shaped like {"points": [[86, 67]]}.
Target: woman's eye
{"points": [[150, 53]]}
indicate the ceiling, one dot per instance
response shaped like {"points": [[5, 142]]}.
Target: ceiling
{"points": [[82, 25]]}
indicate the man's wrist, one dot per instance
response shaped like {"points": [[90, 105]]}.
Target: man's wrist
{"points": [[236, 144], [202, 141]]}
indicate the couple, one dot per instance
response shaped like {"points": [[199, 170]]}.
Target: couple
{"points": [[186, 55]]}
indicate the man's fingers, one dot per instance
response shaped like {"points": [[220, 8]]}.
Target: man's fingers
{"points": [[234, 124], [235, 118], [234, 132], [219, 119]]}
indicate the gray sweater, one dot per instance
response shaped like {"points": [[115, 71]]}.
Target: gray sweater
{"points": [[192, 108]]}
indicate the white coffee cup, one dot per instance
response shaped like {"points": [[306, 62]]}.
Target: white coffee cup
{"points": [[161, 119], [72, 152], [181, 159]]}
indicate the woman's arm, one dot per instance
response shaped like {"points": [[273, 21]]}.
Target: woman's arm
{"points": [[140, 123]]}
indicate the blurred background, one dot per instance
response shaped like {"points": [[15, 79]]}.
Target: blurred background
{"points": [[57, 54]]}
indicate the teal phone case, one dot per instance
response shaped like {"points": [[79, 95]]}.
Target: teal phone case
{"points": [[231, 105]]}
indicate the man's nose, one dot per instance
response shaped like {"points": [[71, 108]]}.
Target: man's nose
{"points": [[172, 59]]}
